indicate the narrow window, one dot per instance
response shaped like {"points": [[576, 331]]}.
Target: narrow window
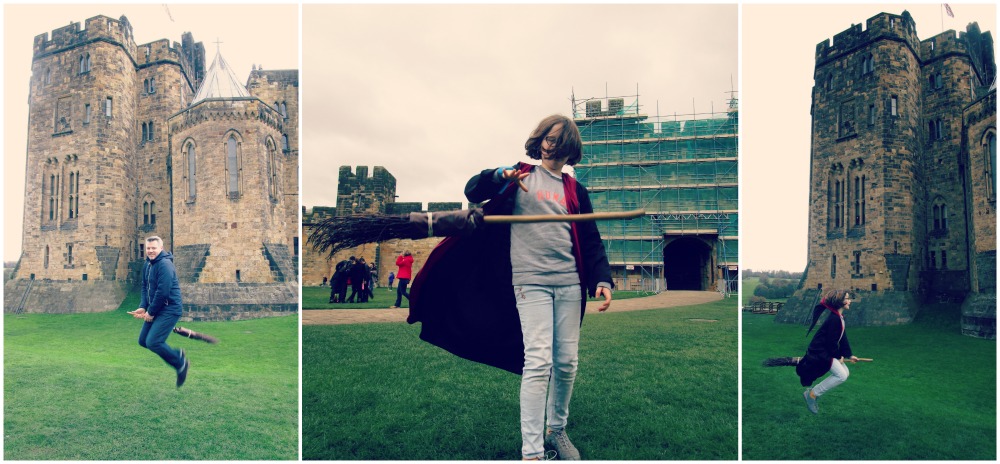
{"points": [[48, 76], [52, 208], [933, 260], [944, 217], [69, 254], [86, 113], [833, 267], [937, 217], [284, 110], [871, 115], [83, 64], [991, 165], [46, 256], [932, 130], [152, 213], [145, 213], [940, 129], [152, 85], [944, 259], [107, 107], [892, 106], [145, 132], [150, 131], [145, 85], [191, 171], [938, 82], [71, 206], [862, 200], [284, 142], [232, 163], [857, 262]]}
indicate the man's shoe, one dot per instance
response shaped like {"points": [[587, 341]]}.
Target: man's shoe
{"points": [[183, 371], [393, 307], [559, 441], [810, 402]]}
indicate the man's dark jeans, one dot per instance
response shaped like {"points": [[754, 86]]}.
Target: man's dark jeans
{"points": [[154, 337]]}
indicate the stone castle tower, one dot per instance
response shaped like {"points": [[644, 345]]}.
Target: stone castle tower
{"points": [[130, 140], [901, 175]]}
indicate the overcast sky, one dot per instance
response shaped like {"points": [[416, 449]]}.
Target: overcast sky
{"points": [[437, 93], [250, 34], [779, 47]]}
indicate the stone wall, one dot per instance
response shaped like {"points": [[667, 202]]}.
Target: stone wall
{"points": [[63, 297]]}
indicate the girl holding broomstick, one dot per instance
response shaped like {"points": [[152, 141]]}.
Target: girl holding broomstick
{"points": [[553, 265], [828, 349]]}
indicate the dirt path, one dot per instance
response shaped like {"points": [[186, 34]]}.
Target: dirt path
{"points": [[361, 316]]}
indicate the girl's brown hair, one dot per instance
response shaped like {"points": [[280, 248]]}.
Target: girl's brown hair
{"points": [[835, 298], [568, 145]]}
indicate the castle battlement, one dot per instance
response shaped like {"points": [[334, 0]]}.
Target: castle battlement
{"points": [[118, 31], [945, 43], [878, 27]]}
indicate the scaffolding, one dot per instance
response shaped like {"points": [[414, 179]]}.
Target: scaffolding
{"points": [[683, 170]]}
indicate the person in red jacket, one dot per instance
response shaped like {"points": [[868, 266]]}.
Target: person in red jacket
{"points": [[405, 263]]}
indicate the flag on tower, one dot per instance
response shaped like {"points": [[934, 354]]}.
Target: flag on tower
{"points": [[948, 9]]}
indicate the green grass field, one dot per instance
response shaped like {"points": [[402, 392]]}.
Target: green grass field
{"points": [[79, 387], [656, 385], [929, 394], [319, 297]]}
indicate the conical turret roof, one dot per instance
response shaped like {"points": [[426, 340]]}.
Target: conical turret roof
{"points": [[220, 82]]}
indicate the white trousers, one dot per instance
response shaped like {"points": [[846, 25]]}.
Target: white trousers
{"points": [[838, 375]]}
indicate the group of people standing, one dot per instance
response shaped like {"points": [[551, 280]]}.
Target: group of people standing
{"points": [[361, 277]]}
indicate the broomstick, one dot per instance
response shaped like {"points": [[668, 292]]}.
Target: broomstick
{"points": [[340, 233], [778, 362], [195, 335]]}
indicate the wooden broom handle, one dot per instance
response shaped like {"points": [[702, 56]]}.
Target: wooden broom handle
{"points": [[566, 217], [868, 360]]}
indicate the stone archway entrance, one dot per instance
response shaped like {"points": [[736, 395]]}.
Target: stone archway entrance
{"points": [[687, 263]]}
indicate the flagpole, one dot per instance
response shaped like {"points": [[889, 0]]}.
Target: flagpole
{"points": [[942, 16]]}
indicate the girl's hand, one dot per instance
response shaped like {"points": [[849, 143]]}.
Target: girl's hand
{"points": [[516, 176], [607, 298], [854, 359]]}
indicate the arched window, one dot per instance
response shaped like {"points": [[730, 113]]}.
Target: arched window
{"points": [[76, 189], [272, 170], [71, 206], [69, 254], [833, 266], [233, 166], [152, 212], [145, 85], [284, 142], [145, 133], [46, 256], [152, 85], [990, 148], [284, 110], [48, 76], [937, 217], [938, 82], [863, 200], [145, 213], [940, 129], [150, 131], [191, 171]]}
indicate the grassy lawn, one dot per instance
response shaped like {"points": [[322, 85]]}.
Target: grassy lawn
{"points": [[652, 385], [318, 298], [930, 394], [79, 387]]}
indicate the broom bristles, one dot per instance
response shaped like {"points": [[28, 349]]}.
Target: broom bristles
{"points": [[341, 233], [777, 362]]}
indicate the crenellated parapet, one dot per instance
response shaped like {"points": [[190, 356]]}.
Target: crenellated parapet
{"points": [[883, 26]]}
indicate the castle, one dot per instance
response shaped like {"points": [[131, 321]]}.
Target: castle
{"points": [[129, 140], [903, 174]]}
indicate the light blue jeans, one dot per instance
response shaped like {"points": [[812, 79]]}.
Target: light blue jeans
{"points": [[550, 324], [838, 375]]}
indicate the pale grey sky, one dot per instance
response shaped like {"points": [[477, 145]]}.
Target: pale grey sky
{"points": [[437, 93], [267, 35], [778, 59]]}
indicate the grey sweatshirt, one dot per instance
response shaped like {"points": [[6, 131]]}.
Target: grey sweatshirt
{"points": [[542, 253]]}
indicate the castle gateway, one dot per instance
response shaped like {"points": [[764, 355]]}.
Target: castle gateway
{"points": [[130, 140], [902, 181]]}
